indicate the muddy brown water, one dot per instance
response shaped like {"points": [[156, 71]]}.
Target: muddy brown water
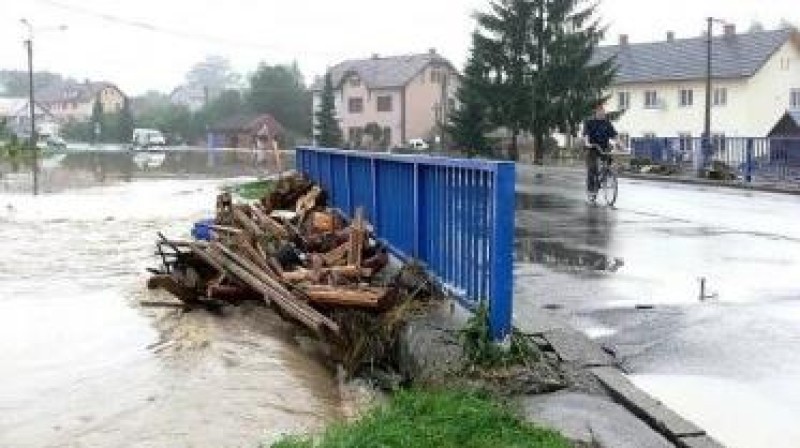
{"points": [[81, 364]]}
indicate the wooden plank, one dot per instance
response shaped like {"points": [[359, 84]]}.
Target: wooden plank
{"points": [[575, 347], [248, 224], [652, 411], [270, 225], [361, 297], [336, 256], [356, 247]]}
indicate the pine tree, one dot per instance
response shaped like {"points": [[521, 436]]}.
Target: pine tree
{"points": [[542, 77], [469, 122], [566, 83], [327, 131], [503, 36], [97, 119], [125, 122]]}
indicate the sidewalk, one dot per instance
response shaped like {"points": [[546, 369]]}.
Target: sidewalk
{"points": [[756, 185]]}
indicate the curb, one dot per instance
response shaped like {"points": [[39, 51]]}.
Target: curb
{"points": [[680, 180], [572, 346]]}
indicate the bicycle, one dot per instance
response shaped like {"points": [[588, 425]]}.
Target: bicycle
{"points": [[606, 179]]}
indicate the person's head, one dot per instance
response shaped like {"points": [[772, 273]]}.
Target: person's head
{"points": [[600, 111]]}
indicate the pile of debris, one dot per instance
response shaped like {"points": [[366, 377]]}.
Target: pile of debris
{"points": [[307, 261]]}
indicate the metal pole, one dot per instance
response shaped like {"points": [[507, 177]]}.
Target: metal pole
{"points": [[33, 139], [706, 143]]}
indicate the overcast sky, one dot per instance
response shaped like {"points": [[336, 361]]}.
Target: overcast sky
{"points": [[150, 44]]}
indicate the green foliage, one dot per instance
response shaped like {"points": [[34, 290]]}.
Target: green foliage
{"points": [[254, 190], [469, 122], [280, 90], [214, 73], [538, 55], [443, 419], [327, 131], [480, 351]]}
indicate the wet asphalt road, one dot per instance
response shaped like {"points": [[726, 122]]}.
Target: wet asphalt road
{"points": [[629, 277]]}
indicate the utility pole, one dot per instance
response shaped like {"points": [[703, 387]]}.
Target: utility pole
{"points": [[705, 149], [32, 104]]}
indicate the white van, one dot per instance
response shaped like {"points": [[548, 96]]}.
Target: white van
{"points": [[418, 144], [148, 138]]}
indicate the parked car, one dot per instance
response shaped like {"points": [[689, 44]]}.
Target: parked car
{"points": [[148, 138], [418, 144], [51, 142]]}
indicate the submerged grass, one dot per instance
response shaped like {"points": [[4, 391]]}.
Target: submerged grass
{"points": [[434, 419], [254, 190]]}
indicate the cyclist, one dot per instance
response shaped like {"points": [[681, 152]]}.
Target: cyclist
{"points": [[598, 131]]}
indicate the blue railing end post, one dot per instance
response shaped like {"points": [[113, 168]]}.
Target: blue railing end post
{"points": [[502, 271]]}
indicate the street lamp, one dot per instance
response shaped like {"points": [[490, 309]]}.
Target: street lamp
{"points": [[31, 103], [705, 151]]}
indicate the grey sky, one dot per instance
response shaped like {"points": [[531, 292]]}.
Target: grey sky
{"points": [[315, 33]]}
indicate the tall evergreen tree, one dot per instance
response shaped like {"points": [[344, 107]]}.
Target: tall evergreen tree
{"points": [[542, 78], [504, 35], [469, 122], [327, 131], [125, 122]]}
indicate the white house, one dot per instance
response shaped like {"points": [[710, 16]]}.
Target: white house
{"points": [[660, 86], [406, 96]]}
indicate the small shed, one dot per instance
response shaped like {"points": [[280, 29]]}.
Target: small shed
{"points": [[787, 126], [245, 131]]}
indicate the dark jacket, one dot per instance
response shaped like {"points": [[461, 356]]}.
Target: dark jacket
{"points": [[599, 132]]}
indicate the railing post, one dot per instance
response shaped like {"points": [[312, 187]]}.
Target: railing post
{"points": [[502, 261], [749, 161]]}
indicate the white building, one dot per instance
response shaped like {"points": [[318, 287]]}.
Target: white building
{"points": [[406, 96], [16, 116], [661, 85]]}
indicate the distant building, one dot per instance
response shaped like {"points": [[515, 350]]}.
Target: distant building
{"points": [[73, 101], [245, 131], [16, 115], [660, 86], [192, 97], [408, 97]]}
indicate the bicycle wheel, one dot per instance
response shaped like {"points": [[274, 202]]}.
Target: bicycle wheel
{"points": [[609, 187]]}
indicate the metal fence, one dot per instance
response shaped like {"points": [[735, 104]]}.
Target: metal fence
{"points": [[762, 159], [456, 216]]}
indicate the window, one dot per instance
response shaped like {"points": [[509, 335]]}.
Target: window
{"points": [[650, 99], [355, 105], [623, 100], [385, 103], [720, 96], [355, 82], [785, 62], [794, 99], [649, 135], [684, 141], [686, 98]]}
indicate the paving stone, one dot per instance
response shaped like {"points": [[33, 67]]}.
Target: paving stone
{"points": [[574, 347], [698, 442]]}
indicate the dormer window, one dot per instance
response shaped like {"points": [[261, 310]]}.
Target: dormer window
{"points": [[355, 81]]}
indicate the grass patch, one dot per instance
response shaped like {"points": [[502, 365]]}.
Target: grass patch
{"points": [[254, 190], [480, 351], [442, 419]]}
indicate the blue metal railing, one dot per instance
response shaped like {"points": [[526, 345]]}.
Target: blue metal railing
{"points": [[454, 215], [762, 158]]}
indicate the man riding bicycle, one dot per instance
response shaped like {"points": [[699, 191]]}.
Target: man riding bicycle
{"points": [[598, 132]]}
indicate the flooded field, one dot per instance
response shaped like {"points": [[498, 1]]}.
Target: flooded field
{"points": [[82, 364]]}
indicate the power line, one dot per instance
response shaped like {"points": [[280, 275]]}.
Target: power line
{"points": [[159, 29]]}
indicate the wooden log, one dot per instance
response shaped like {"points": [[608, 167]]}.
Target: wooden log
{"points": [[281, 297], [308, 201], [271, 226], [336, 256], [364, 297], [301, 274], [357, 232], [248, 224]]}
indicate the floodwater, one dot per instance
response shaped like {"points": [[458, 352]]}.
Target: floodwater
{"points": [[630, 278], [83, 365]]}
